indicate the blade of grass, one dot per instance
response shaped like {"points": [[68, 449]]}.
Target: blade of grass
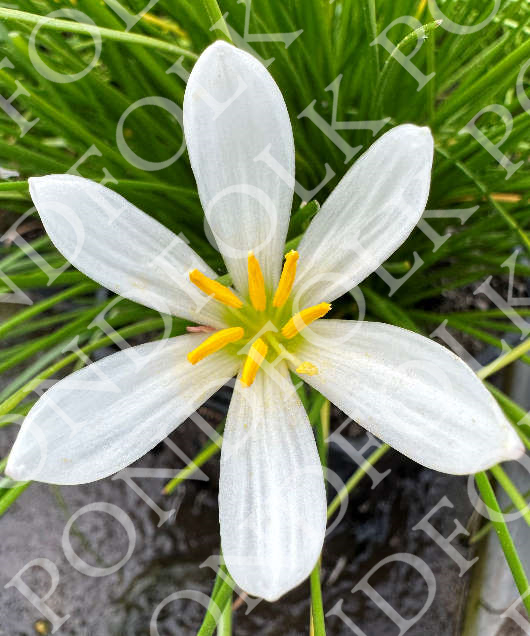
{"points": [[55, 24], [225, 624], [210, 450], [512, 491], [505, 538], [43, 305], [356, 478], [317, 608], [217, 605], [504, 360], [11, 495]]}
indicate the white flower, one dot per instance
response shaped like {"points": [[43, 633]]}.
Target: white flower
{"points": [[406, 389]]}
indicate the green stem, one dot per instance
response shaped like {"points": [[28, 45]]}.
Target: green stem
{"points": [[217, 605], [317, 608], [516, 415], [356, 478], [480, 534], [209, 451], [512, 491], [504, 360], [225, 624], [323, 432], [12, 495], [318, 627], [507, 544]]}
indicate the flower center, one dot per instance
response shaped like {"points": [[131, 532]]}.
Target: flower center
{"points": [[264, 327]]}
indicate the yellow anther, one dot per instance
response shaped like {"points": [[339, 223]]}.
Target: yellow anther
{"points": [[306, 368], [304, 318], [255, 357], [213, 288], [256, 284], [286, 279], [215, 342]]}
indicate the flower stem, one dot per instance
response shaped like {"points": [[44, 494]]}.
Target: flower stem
{"points": [[323, 433], [317, 608], [221, 596], [318, 627], [225, 624]]}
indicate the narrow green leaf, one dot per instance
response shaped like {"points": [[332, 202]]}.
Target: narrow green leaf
{"points": [[67, 26], [507, 544]]}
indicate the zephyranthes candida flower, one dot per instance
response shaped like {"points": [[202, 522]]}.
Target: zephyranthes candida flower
{"points": [[406, 389]]}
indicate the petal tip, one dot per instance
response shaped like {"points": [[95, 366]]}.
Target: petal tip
{"points": [[219, 49], [514, 447], [422, 133], [15, 470], [36, 182], [219, 45]]}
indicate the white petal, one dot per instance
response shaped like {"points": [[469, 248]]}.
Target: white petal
{"points": [[412, 393], [272, 501], [234, 112], [368, 215], [107, 415], [122, 248]]}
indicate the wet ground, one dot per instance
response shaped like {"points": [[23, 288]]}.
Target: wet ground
{"points": [[378, 523]]}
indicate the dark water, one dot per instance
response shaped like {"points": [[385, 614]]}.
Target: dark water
{"points": [[378, 523]]}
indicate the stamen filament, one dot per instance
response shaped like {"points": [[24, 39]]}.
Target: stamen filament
{"points": [[255, 358], [215, 342], [303, 318], [256, 284], [286, 279], [213, 288]]}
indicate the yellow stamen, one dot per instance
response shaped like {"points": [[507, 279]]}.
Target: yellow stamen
{"points": [[307, 368], [215, 342], [255, 357], [256, 284], [213, 288], [286, 280], [304, 318]]}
